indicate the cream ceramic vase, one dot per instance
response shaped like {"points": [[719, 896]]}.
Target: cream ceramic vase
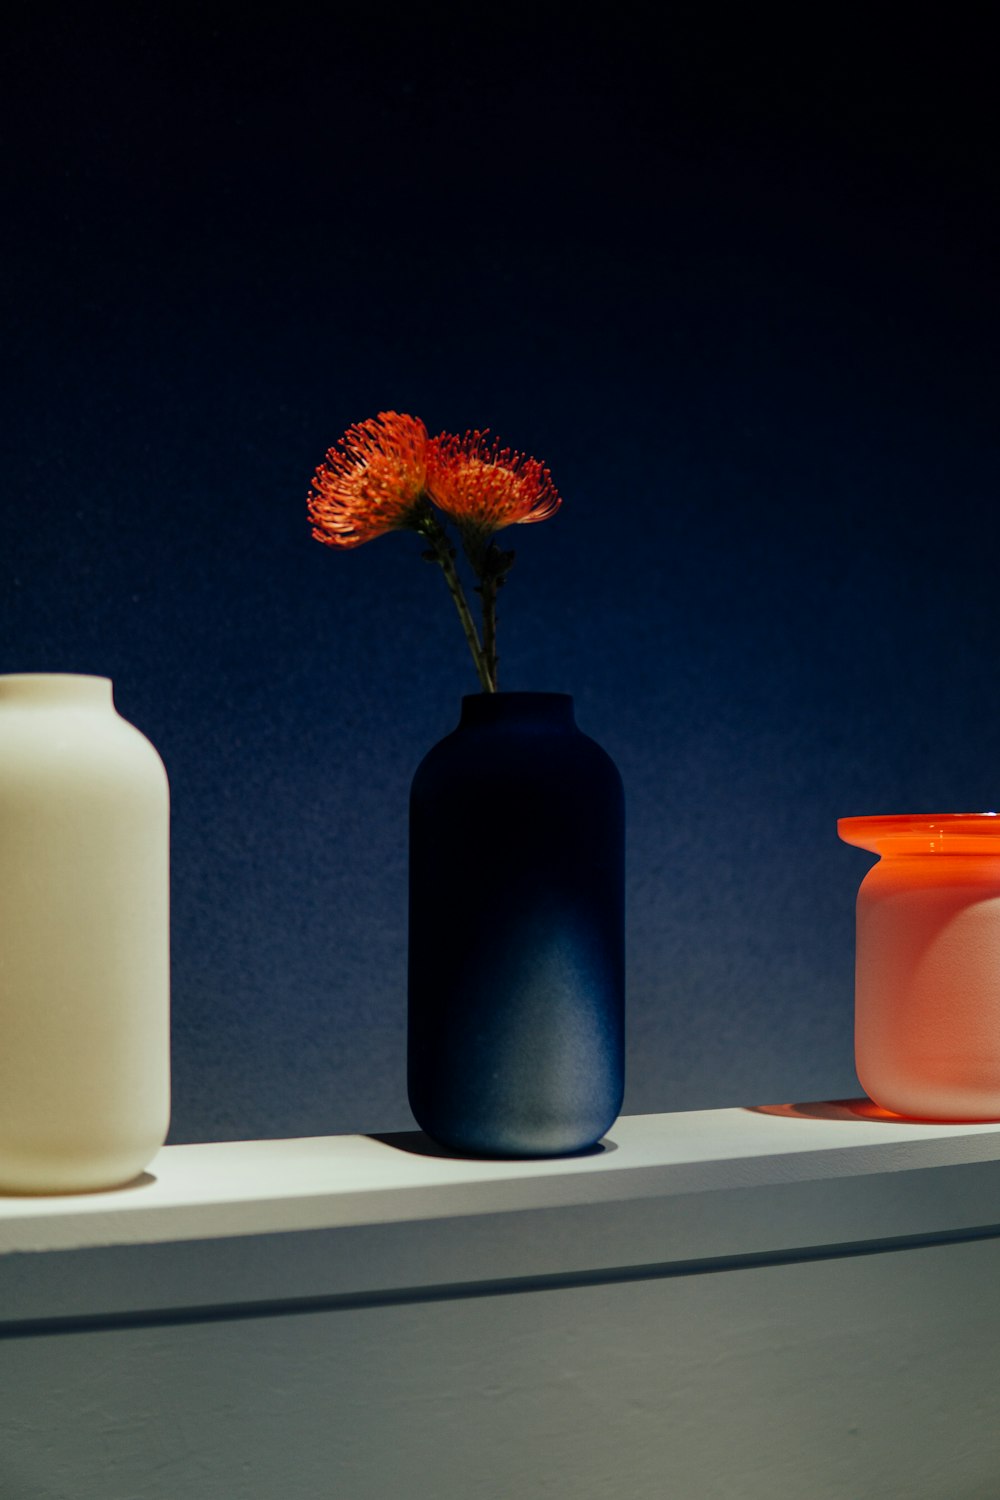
{"points": [[84, 939]]}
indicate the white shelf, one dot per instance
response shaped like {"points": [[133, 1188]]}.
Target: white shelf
{"points": [[359, 1216], [736, 1302], [278, 1186]]}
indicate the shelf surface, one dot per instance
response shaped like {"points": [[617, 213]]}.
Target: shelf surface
{"points": [[804, 1295], [260, 1187]]}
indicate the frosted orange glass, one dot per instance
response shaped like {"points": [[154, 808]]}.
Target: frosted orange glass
{"points": [[927, 969]]}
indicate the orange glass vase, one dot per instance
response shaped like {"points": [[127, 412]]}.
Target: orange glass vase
{"points": [[927, 981]]}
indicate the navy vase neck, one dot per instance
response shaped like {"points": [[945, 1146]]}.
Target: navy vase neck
{"points": [[548, 711]]}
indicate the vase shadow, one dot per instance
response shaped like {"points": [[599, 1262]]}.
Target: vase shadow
{"points": [[845, 1110], [416, 1143], [144, 1180]]}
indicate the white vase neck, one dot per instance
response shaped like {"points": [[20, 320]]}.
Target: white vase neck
{"points": [[55, 690]]}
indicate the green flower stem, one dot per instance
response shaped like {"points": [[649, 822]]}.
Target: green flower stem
{"points": [[488, 589], [444, 555]]}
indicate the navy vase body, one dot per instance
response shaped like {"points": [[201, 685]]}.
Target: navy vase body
{"points": [[516, 932]]}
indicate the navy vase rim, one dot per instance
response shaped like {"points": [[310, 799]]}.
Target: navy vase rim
{"points": [[528, 694], [488, 708]]}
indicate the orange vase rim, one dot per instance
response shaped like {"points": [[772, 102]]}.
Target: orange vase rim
{"points": [[930, 833]]}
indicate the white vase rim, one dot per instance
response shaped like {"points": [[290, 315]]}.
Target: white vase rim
{"points": [[53, 676], [56, 689]]}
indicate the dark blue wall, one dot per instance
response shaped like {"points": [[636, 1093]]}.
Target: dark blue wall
{"points": [[736, 285]]}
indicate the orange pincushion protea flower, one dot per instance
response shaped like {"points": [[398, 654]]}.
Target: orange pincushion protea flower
{"points": [[372, 481], [484, 487], [382, 476]]}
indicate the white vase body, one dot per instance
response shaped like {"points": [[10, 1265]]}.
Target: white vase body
{"points": [[84, 939]]}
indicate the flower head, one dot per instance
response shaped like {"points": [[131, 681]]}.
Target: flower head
{"points": [[484, 487], [371, 482], [383, 474]]}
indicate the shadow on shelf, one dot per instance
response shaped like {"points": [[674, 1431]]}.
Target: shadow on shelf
{"points": [[416, 1143], [847, 1110]]}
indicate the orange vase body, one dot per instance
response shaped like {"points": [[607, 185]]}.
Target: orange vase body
{"points": [[927, 978]]}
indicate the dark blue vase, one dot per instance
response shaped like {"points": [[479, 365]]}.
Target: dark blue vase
{"points": [[516, 957]]}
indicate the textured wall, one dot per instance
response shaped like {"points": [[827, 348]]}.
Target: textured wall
{"points": [[741, 297], [871, 1374]]}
